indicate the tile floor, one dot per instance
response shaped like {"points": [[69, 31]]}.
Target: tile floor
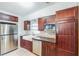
{"points": [[20, 52]]}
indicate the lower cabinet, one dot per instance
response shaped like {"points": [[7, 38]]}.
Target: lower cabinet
{"points": [[26, 44], [48, 49], [44, 48]]}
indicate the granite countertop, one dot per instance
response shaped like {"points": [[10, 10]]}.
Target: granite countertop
{"points": [[27, 37], [53, 40], [42, 36]]}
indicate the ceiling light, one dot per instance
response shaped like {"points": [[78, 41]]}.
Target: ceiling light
{"points": [[26, 4]]}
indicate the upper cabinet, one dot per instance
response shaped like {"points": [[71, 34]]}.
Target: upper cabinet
{"points": [[66, 13], [8, 17], [41, 23], [50, 19], [26, 25], [14, 19], [45, 20]]}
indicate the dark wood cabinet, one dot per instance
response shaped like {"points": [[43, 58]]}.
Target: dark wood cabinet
{"points": [[13, 18], [45, 20], [66, 36], [67, 13], [26, 44], [67, 32], [50, 19], [8, 17], [48, 48], [26, 25], [41, 23]]}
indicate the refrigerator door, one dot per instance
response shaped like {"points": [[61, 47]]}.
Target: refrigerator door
{"points": [[8, 43], [13, 29], [5, 44], [0, 46], [4, 29], [8, 29], [16, 40], [13, 41]]}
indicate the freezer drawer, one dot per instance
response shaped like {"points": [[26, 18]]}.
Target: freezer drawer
{"points": [[8, 43]]}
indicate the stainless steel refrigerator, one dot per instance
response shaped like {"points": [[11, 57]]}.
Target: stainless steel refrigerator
{"points": [[8, 37]]}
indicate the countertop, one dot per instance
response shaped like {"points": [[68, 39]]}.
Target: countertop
{"points": [[28, 37], [53, 40], [42, 36]]}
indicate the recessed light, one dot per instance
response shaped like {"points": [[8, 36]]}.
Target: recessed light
{"points": [[26, 4]]}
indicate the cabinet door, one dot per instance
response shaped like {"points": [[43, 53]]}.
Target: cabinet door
{"points": [[13, 18], [48, 49], [66, 28], [45, 48], [41, 22], [66, 36], [22, 42], [50, 19], [7, 17], [28, 45], [52, 49], [26, 25], [66, 13]]}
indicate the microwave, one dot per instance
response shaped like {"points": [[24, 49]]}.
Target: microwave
{"points": [[50, 27]]}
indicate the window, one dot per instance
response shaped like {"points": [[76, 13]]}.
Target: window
{"points": [[34, 25]]}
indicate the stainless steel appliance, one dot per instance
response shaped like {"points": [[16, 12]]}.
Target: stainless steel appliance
{"points": [[8, 37], [50, 28]]}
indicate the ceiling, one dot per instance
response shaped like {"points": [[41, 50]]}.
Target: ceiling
{"points": [[17, 9]]}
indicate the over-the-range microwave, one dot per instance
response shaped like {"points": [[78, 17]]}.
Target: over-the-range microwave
{"points": [[50, 27]]}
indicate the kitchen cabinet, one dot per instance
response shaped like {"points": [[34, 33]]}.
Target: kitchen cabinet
{"points": [[26, 44], [7, 17], [26, 25], [13, 18], [41, 23], [50, 19], [66, 36], [48, 48], [67, 32], [45, 20], [67, 13]]}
